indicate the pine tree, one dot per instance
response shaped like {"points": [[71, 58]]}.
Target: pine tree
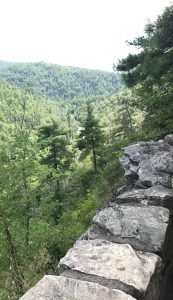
{"points": [[90, 137], [56, 155], [150, 73]]}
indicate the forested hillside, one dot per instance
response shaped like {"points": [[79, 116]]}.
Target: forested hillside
{"points": [[62, 130], [57, 169], [57, 82], [70, 87]]}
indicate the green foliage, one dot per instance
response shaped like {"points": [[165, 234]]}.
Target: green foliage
{"points": [[57, 82], [48, 195], [150, 72], [50, 189], [90, 137], [58, 157], [20, 170], [53, 140]]}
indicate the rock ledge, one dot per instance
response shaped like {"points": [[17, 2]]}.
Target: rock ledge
{"points": [[120, 255]]}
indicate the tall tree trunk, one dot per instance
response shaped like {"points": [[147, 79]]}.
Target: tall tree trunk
{"points": [[27, 225], [130, 119], [94, 156], [58, 186], [27, 210], [14, 266]]}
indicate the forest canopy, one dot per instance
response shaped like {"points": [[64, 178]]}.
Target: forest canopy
{"points": [[51, 186], [59, 82]]}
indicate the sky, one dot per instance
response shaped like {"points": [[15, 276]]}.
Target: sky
{"points": [[84, 33]]}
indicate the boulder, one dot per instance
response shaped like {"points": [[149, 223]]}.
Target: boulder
{"points": [[149, 163], [156, 170], [117, 266], [169, 139], [62, 288], [143, 227]]}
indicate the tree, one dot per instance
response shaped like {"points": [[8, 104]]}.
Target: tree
{"points": [[19, 170], [150, 72], [90, 137], [123, 115], [56, 154], [23, 232]]}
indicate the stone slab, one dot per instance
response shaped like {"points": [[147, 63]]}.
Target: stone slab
{"points": [[62, 288], [143, 227], [155, 195], [118, 265]]}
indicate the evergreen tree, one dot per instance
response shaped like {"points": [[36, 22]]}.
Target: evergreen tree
{"points": [[123, 116], [150, 72], [90, 137], [56, 155]]}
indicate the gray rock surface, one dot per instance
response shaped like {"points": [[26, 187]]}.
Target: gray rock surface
{"points": [[117, 265], [61, 288], [149, 163], [155, 195], [169, 139], [156, 169], [143, 227]]}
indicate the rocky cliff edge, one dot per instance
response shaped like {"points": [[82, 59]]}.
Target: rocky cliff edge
{"points": [[125, 252]]}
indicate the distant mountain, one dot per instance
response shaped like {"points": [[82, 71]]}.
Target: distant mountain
{"points": [[58, 82]]}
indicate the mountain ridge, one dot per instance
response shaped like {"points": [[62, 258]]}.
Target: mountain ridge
{"points": [[60, 82]]}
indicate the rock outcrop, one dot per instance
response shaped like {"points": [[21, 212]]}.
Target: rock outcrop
{"points": [[155, 195], [149, 163], [126, 253], [141, 226], [113, 265], [63, 288]]}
